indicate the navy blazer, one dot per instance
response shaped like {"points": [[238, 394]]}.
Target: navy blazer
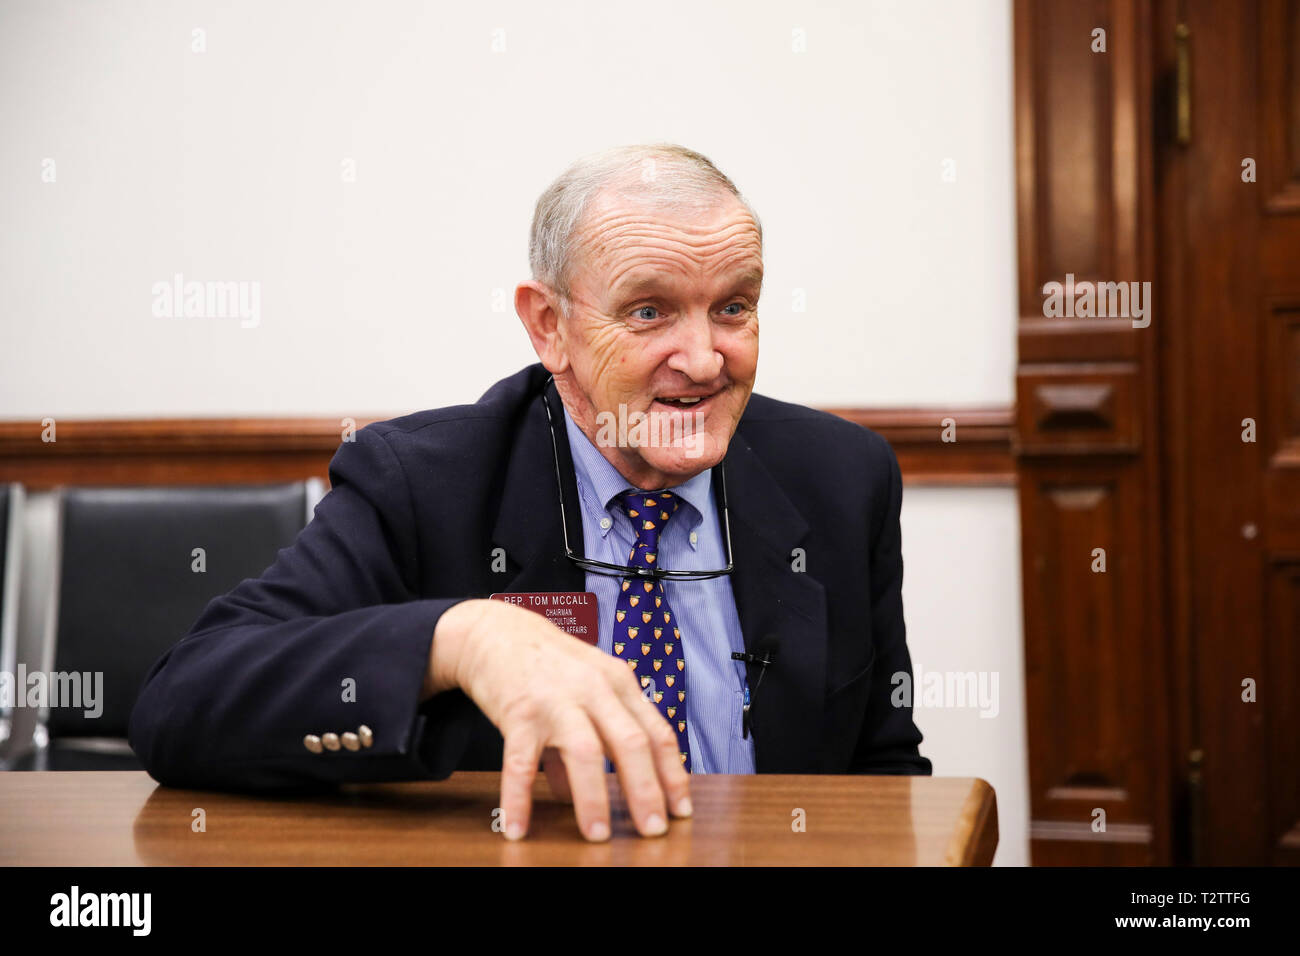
{"points": [[418, 509]]}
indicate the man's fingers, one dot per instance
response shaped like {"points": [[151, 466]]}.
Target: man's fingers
{"points": [[629, 745], [674, 781], [518, 768], [555, 775], [591, 707], [584, 764]]}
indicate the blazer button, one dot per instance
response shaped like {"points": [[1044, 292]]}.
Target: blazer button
{"points": [[312, 743], [366, 735], [351, 741], [331, 741]]}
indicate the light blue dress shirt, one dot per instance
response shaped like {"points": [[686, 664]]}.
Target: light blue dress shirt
{"points": [[710, 624]]}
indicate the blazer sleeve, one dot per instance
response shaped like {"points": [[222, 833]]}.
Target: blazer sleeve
{"points": [[330, 638], [889, 740]]}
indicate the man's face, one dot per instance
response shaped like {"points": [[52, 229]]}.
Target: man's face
{"points": [[664, 322]]}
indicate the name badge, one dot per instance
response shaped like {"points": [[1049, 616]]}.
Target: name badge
{"points": [[574, 612]]}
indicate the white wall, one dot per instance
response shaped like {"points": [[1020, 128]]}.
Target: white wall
{"points": [[393, 292], [378, 294], [961, 601]]}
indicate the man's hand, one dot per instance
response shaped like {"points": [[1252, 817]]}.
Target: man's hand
{"points": [[561, 701]]}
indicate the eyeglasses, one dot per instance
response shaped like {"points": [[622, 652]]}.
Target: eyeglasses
{"points": [[623, 571]]}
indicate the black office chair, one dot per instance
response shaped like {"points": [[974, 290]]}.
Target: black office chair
{"points": [[127, 588], [11, 529]]}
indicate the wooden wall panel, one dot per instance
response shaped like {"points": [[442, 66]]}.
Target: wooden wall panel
{"points": [[1280, 375], [1279, 126], [1087, 470], [1087, 697], [1279, 131], [1282, 623]]}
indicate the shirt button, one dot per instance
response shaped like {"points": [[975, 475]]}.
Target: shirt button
{"points": [[605, 523], [694, 537]]}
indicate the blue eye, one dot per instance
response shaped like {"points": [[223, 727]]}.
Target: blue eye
{"points": [[640, 313], [735, 305]]}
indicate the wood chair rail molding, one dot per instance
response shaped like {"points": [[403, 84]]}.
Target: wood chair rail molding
{"points": [[961, 446]]}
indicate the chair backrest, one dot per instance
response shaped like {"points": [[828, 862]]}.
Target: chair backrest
{"points": [[11, 526], [137, 567]]}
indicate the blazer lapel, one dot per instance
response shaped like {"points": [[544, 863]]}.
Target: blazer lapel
{"points": [[528, 522], [774, 599]]}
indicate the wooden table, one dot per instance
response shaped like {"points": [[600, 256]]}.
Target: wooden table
{"points": [[122, 819]]}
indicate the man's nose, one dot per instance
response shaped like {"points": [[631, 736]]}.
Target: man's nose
{"points": [[694, 355]]}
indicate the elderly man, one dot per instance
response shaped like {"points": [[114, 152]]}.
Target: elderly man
{"points": [[738, 558]]}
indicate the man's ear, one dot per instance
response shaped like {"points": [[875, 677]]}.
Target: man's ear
{"points": [[538, 306]]}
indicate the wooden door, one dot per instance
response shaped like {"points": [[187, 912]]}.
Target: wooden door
{"points": [[1159, 140], [1229, 241]]}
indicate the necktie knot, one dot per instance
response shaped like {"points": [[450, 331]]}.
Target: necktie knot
{"points": [[649, 513]]}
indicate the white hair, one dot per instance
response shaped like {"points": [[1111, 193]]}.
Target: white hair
{"points": [[662, 173]]}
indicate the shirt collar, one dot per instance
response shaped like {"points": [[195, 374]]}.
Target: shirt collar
{"points": [[595, 471]]}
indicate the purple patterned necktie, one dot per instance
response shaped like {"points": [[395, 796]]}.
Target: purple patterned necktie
{"points": [[645, 632]]}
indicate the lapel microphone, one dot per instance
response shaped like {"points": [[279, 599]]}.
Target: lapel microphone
{"points": [[764, 655]]}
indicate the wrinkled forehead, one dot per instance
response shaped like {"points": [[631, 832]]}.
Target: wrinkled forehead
{"points": [[700, 235]]}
